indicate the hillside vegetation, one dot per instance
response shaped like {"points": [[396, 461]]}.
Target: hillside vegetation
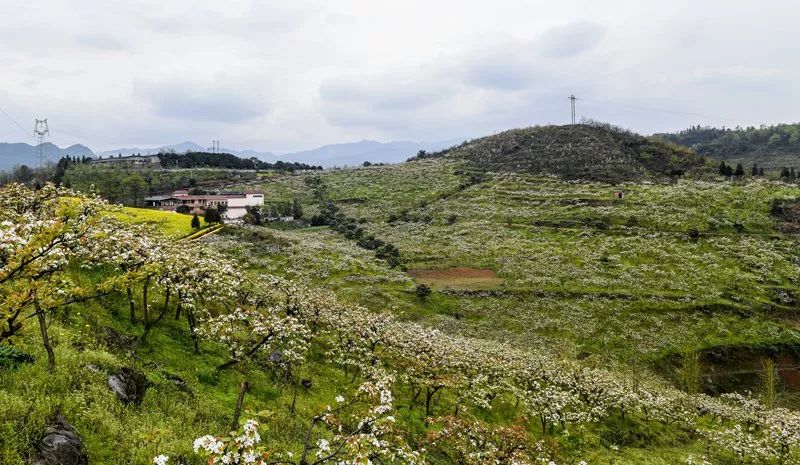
{"points": [[435, 313], [585, 151], [772, 147]]}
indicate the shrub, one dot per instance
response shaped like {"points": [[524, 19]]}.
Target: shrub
{"points": [[422, 290]]}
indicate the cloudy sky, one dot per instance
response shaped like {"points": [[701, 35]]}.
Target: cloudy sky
{"points": [[289, 75]]}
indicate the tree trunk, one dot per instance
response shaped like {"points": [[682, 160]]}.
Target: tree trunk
{"points": [[51, 357], [145, 306], [428, 397], [132, 305], [166, 299], [190, 319], [243, 387], [178, 309], [294, 398]]}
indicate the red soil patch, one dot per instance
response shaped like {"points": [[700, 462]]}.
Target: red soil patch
{"points": [[459, 278], [453, 273]]}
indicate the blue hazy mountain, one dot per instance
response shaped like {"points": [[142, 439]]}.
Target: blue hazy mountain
{"points": [[356, 153], [20, 153], [345, 154]]}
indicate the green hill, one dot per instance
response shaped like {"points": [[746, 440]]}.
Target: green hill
{"points": [[772, 147], [591, 151]]}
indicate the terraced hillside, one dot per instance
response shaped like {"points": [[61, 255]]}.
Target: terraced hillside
{"points": [[579, 272], [584, 151]]}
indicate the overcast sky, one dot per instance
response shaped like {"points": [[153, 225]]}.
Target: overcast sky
{"points": [[282, 76]]}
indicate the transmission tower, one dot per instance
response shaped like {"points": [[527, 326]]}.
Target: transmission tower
{"points": [[572, 99], [214, 146], [41, 131]]}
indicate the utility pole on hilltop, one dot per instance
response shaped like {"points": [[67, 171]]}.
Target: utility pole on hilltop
{"points": [[41, 131], [572, 99]]}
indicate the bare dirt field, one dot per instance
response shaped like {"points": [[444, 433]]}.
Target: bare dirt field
{"points": [[458, 278]]}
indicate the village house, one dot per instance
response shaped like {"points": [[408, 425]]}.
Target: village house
{"points": [[134, 160], [233, 203]]}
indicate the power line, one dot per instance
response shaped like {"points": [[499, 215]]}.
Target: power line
{"points": [[25, 131], [676, 112]]}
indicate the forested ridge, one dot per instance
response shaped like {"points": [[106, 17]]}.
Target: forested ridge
{"points": [[227, 161], [757, 143]]}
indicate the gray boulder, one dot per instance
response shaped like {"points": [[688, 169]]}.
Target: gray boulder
{"points": [[61, 445], [129, 385]]}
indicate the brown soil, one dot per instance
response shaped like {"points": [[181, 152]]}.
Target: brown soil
{"points": [[453, 273]]}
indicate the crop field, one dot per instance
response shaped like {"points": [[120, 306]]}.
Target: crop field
{"points": [[169, 223], [573, 269], [458, 278]]}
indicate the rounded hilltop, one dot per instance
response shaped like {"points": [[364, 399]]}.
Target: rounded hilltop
{"points": [[589, 151]]}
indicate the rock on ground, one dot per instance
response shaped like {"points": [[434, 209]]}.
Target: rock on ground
{"points": [[61, 445], [129, 385]]}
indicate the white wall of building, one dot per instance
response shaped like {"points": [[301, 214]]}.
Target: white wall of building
{"points": [[236, 206]]}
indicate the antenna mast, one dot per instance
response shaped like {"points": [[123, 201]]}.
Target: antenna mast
{"points": [[41, 131]]}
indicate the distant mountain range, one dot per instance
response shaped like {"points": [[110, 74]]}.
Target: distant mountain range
{"points": [[356, 153], [346, 154], [26, 154], [184, 147]]}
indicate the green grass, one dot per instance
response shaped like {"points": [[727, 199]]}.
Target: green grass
{"points": [[581, 272], [169, 419], [616, 283]]}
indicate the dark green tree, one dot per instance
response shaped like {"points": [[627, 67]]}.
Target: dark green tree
{"points": [[728, 170], [422, 291], [195, 221], [212, 215], [297, 209], [253, 216]]}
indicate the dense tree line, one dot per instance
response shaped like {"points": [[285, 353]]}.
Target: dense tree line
{"points": [[737, 142], [789, 174], [129, 185], [227, 161], [49, 172], [350, 228], [275, 211]]}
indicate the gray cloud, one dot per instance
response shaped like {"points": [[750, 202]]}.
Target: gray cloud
{"points": [[283, 76], [100, 41], [571, 39], [221, 101]]}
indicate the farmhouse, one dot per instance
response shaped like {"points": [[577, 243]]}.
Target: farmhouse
{"points": [[234, 203], [135, 160]]}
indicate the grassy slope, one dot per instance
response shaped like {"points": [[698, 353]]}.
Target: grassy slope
{"points": [[493, 228], [581, 272], [169, 419]]}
